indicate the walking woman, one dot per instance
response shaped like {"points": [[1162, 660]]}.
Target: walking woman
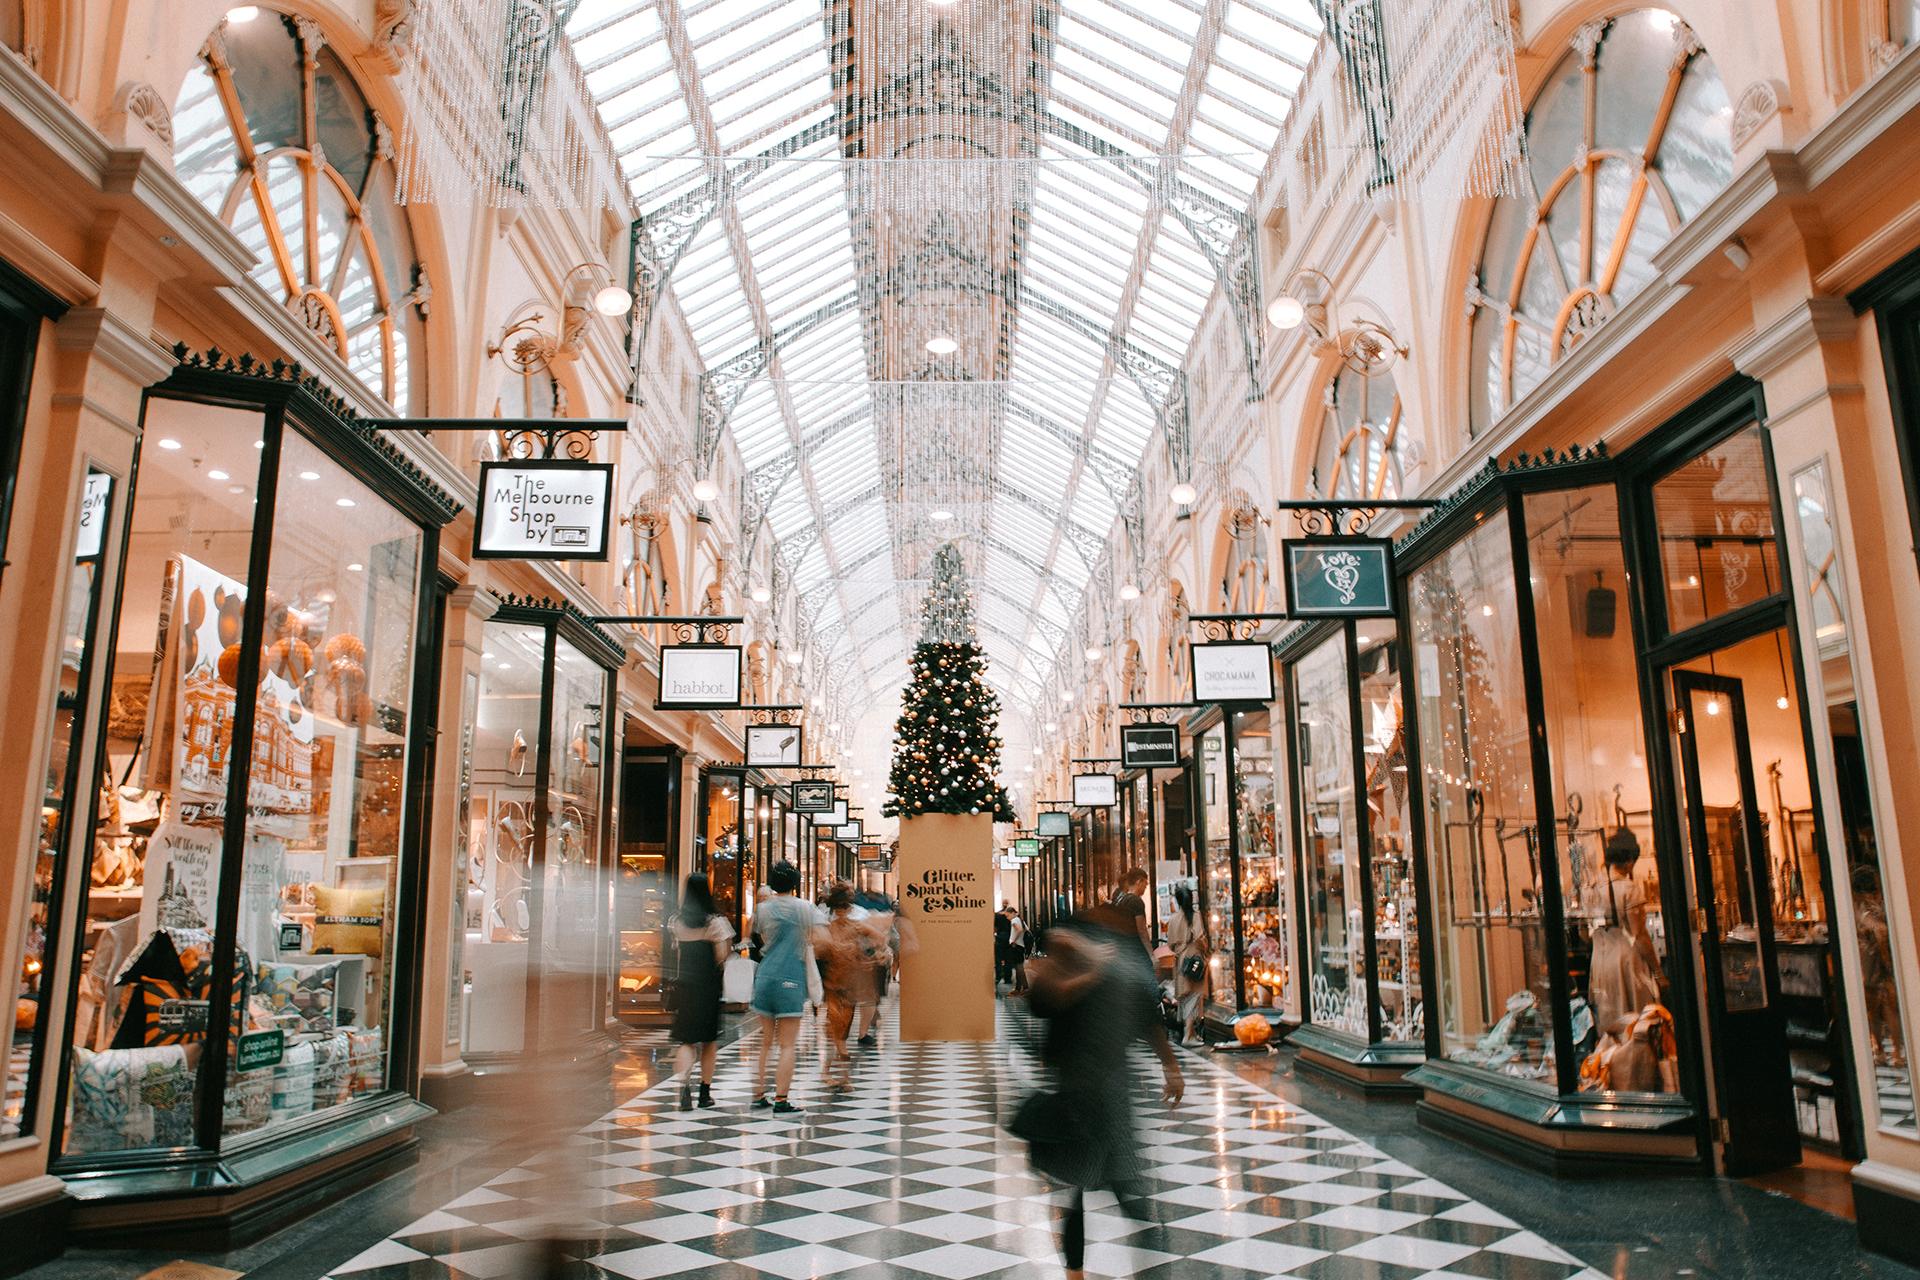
{"points": [[1187, 939], [701, 937], [784, 983], [1095, 988], [854, 951]]}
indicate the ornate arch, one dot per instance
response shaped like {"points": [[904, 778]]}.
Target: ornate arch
{"points": [[1361, 440], [273, 133], [1629, 138]]}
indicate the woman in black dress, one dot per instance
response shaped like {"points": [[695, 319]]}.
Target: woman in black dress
{"points": [[701, 938]]}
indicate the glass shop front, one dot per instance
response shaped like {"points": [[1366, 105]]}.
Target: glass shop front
{"points": [[536, 814], [746, 826], [1245, 886], [242, 746], [648, 884], [1627, 950], [1363, 1016]]}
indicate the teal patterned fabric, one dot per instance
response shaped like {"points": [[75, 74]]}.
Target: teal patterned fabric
{"points": [[127, 1098]]}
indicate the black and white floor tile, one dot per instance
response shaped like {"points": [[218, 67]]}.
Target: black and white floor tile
{"points": [[911, 1175]]}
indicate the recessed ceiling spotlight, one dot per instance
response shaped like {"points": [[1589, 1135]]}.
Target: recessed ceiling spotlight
{"points": [[357, 567], [243, 13], [259, 444], [236, 488], [942, 345], [217, 474], [343, 502], [1183, 494], [309, 475], [168, 442]]}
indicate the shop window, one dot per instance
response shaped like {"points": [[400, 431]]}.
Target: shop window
{"points": [[572, 878], [1216, 871], [722, 805], [1718, 550], [1244, 577], [1631, 136], [1265, 944], [1330, 838], [1620, 961], [63, 794], [1362, 451], [273, 135], [1489, 926], [1863, 876], [313, 866]]}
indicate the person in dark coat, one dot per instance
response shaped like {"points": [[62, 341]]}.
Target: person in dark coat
{"points": [[1002, 934], [1096, 989], [701, 938]]}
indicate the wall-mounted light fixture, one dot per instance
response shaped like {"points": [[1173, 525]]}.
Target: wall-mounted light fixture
{"points": [[528, 347], [1365, 346]]}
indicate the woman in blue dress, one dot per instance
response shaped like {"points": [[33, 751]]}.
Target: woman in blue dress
{"points": [[782, 984]]}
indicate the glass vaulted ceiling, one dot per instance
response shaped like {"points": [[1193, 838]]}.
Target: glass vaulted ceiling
{"points": [[1116, 103]]}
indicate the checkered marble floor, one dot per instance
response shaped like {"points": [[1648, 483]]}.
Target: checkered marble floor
{"points": [[910, 1175]]}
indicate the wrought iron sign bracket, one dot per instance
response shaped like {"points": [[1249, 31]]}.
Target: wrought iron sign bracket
{"points": [[1233, 626], [1157, 712], [568, 438], [776, 713], [701, 629], [1323, 518]]}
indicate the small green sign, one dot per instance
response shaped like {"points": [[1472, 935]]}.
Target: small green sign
{"points": [[1026, 847], [260, 1049], [1339, 577]]}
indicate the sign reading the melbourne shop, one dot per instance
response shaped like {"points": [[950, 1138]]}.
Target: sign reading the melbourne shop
{"points": [[1233, 671], [543, 509], [774, 746], [1055, 822], [1339, 577], [699, 677], [813, 797], [1095, 790], [1149, 746], [1026, 847]]}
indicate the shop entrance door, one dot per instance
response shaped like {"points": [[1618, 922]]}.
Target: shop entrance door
{"points": [[1731, 889]]}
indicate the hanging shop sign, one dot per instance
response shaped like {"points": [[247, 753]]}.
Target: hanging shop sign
{"points": [[543, 509], [1026, 848], [834, 817], [1055, 822], [775, 746], [93, 515], [813, 797], [1095, 791], [1149, 746], [853, 831], [1339, 577], [699, 677], [1233, 671], [873, 854]]}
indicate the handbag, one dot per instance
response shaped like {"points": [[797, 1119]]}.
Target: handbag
{"points": [[1193, 968]]}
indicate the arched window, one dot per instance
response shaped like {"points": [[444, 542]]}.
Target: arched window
{"points": [[1243, 576], [273, 135], [1362, 450], [1631, 137]]}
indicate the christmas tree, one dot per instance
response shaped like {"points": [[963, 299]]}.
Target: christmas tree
{"points": [[946, 748]]}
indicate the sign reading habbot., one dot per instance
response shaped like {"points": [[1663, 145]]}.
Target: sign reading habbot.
{"points": [[699, 677], [1339, 577], [543, 509]]}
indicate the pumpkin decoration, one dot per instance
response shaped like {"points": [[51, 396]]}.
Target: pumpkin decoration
{"points": [[233, 608], [190, 637], [291, 659], [228, 667], [1252, 1031], [345, 646]]}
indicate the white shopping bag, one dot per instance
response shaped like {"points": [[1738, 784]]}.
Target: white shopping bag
{"points": [[736, 981]]}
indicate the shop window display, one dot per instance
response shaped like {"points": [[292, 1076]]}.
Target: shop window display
{"points": [[1489, 926], [1330, 838], [1394, 905], [312, 640], [1875, 939], [1620, 970], [64, 792], [1718, 550], [1266, 949], [573, 879], [1216, 871]]}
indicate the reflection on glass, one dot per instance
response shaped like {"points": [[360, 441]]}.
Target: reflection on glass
{"points": [[1488, 926], [1609, 879], [1330, 836], [1265, 951], [153, 872], [500, 834], [1217, 869], [1826, 601], [570, 879], [1396, 910], [63, 794], [1715, 719], [1715, 517]]}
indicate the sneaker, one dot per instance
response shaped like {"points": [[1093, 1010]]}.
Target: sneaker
{"points": [[686, 1095], [785, 1108], [706, 1096], [760, 1103]]}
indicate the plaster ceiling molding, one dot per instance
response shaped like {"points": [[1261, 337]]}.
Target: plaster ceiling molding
{"points": [[142, 118], [1760, 104]]}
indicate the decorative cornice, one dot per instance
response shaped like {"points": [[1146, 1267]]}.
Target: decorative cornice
{"points": [[1492, 472], [567, 610], [44, 264], [1797, 330], [119, 345], [478, 601]]}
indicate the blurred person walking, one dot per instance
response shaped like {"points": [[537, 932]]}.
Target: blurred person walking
{"points": [[784, 984], [1096, 990], [1017, 949], [701, 938], [856, 955]]}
